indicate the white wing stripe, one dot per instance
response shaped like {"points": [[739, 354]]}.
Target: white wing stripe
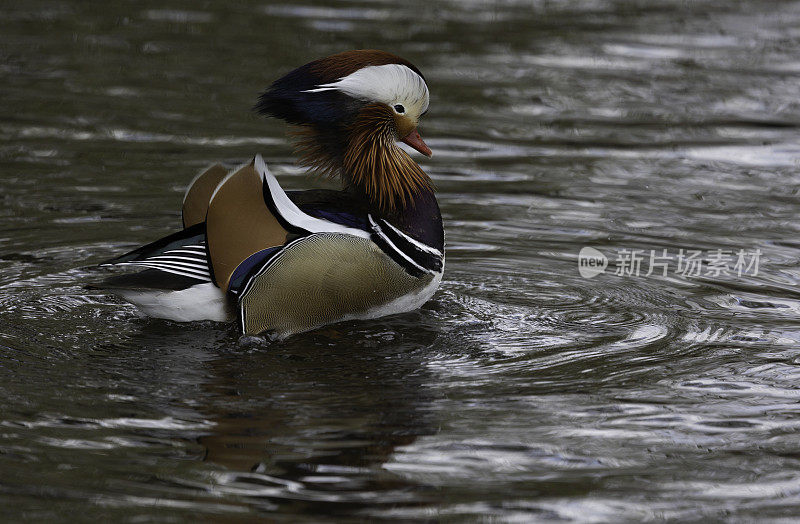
{"points": [[189, 249], [196, 269], [199, 255], [176, 263], [200, 262], [179, 271], [182, 273], [170, 268], [292, 214]]}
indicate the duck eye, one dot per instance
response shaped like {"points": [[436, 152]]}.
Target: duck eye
{"points": [[400, 109]]}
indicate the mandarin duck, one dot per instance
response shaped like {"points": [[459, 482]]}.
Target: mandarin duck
{"points": [[284, 262]]}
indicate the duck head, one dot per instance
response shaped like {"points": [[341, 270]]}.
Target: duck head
{"points": [[352, 109]]}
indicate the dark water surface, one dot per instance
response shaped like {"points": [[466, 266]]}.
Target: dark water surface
{"points": [[522, 391]]}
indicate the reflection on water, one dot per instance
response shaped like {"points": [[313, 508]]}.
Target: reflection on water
{"points": [[320, 420], [522, 391]]}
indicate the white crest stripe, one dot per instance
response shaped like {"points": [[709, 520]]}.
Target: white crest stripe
{"points": [[389, 84]]}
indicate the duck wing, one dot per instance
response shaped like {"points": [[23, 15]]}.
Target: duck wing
{"points": [[229, 216], [235, 224], [181, 259], [288, 261]]}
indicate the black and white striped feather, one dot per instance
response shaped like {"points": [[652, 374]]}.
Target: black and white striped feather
{"points": [[181, 258], [188, 261]]}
